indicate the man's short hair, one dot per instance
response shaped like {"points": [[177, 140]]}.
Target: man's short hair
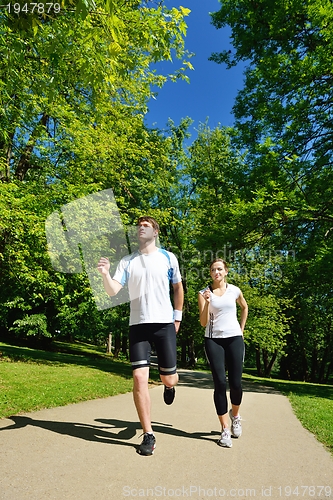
{"points": [[151, 220]]}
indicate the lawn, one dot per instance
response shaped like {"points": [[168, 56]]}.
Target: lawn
{"points": [[32, 379]]}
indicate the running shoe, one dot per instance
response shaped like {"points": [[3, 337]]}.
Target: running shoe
{"points": [[148, 445], [236, 426], [169, 395], [225, 439]]}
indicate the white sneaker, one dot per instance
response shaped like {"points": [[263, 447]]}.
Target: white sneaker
{"points": [[225, 439], [236, 426]]}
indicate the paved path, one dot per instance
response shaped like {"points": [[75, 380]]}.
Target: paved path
{"points": [[86, 451]]}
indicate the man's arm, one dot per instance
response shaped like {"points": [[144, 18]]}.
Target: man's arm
{"points": [[178, 300], [111, 286]]}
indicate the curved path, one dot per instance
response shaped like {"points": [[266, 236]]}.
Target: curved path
{"points": [[86, 451]]}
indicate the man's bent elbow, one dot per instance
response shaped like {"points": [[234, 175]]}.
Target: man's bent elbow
{"points": [[112, 288]]}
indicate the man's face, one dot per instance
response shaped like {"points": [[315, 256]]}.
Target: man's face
{"points": [[146, 231]]}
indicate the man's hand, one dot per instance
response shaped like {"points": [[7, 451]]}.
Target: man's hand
{"points": [[177, 325], [111, 286], [103, 266]]}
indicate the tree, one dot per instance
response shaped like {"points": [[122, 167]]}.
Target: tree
{"points": [[210, 194], [73, 93], [74, 68], [283, 113], [283, 118]]}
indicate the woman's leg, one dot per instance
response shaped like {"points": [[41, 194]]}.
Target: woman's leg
{"points": [[216, 356], [234, 358]]}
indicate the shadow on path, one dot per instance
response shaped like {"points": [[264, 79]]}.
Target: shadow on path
{"points": [[117, 432], [106, 433]]}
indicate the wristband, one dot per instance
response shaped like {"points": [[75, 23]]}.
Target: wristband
{"points": [[177, 315]]}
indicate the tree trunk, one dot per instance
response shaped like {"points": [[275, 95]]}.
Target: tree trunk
{"points": [[109, 344], [124, 346], [270, 365], [117, 346], [24, 161], [314, 365], [328, 372], [183, 352], [305, 367], [265, 360], [258, 362], [322, 366], [191, 353]]}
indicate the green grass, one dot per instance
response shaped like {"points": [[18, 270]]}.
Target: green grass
{"points": [[311, 403], [32, 379]]}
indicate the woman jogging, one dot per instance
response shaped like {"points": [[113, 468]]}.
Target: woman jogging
{"points": [[224, 345]]}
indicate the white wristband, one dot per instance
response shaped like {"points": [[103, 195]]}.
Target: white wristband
{"points": [[177, 315]]}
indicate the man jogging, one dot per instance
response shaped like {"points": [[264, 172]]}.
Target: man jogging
{"points": [[148, 273]]}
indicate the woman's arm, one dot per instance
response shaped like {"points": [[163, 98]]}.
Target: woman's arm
{"points": [[203, 303], [244, 310]]}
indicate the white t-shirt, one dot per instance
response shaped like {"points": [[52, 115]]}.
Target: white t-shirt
{"points": [[148, 278], [223, 320]]}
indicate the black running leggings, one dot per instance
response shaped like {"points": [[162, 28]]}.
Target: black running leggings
{"points": [[220, 352]]}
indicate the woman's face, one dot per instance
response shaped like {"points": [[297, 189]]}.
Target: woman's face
{"points": [[218, 271]]}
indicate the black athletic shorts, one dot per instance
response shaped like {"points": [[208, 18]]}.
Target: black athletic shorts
{"points": [[160, 335]]}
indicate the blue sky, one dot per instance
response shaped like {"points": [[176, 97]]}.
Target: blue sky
{"points": [[212, 88]]}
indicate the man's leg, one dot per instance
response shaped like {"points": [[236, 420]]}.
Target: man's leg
{"points": [[142, 398], [140, 349], [142, 403], [170, 380], [166, 350]]}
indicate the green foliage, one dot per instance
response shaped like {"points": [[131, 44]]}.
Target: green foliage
{"points": [[74, 89], [31, 326], [283, 120], [211, 195]]}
